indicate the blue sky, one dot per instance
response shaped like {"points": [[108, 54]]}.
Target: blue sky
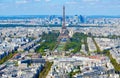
{"points": [[54, 7]]}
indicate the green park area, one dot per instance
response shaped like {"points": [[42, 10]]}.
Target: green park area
{"points": [[49, 41], [60, 46], [75, 42]]}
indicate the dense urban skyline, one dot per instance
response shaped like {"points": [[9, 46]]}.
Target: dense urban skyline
{"points": [[59, 39], [54, 7]]}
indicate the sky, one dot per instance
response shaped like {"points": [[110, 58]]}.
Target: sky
{"points": [[54, 7]]}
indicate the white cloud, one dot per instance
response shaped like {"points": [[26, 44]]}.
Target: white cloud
{"points": [[22, 1], [73, 2], [90, 0]]}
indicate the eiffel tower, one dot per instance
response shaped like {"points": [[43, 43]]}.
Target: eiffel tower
{"points": [[63, 32]]}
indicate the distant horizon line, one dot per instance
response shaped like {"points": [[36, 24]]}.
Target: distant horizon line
{"points": [[56, 15]]}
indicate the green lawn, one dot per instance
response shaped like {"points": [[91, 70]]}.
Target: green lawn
{"points": [[76, 41], [60, 46], [50, 41]]}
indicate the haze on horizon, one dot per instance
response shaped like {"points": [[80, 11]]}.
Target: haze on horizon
{"points": [[54, 7]]}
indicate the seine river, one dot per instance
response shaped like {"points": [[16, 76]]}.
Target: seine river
{"points": [[21, 25]]}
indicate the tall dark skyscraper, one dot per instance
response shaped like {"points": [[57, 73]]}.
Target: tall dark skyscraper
{"points": [[64, 32]]}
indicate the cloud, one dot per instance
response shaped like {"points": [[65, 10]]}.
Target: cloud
{"points": [[90, 0], [72, 2], [22, 1]]}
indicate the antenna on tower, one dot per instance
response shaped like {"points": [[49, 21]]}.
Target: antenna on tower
{"points": [[63, 25]]}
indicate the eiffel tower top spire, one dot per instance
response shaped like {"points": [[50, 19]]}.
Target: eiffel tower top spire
{"points": [[63, 22]]}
